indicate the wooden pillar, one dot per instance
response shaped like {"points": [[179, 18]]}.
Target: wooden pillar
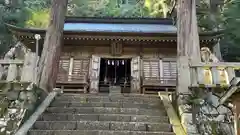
{"points": [[70, 69], [161, 70]]}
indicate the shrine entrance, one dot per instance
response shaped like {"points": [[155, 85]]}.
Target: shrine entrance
{"points": [[115, 72]]}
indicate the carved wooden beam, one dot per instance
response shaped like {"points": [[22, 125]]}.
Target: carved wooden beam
{"points": [[116, 48]]}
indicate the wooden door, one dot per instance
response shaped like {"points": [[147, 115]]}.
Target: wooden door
{"points": [[135, 75], [80, 70], [94, 74], [169, 71], [151, 69], [63, 72]]}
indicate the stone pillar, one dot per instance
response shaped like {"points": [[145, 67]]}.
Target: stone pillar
{"points": [[1, 71], [183, 74], [29, 68], [12, 72], [185, 114]]}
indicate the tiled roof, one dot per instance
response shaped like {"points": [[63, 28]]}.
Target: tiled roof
{"points": [[118, 27]]}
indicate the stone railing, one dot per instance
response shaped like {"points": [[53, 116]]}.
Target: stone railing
{"points": [[10, 70], [200, 109], [19, 70], [213, 74]]}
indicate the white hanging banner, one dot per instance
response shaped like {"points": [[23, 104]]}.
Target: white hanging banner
{"points": [[122, 62], [117, 63]]}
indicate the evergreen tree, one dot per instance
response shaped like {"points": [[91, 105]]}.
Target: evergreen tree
{"points": [[231, 17], [19, 12], [11, 11]]}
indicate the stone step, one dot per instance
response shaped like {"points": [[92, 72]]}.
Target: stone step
{"points": [[130, 95], [115, 96], [102, 117], [106, 110], [102, 125], [157, 105], [94, 132], [107, 99], [115, 90], [104, 89]]}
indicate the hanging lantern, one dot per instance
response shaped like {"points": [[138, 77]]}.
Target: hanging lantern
{"points": [[122, 62], [113, 62], [108, 62]]}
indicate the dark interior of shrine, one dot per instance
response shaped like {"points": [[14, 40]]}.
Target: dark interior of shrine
{"points": [[114, 72]]}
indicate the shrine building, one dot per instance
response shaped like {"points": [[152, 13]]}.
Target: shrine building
{"points": [[137, 55]]}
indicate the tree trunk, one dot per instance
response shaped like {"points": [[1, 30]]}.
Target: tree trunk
{"points": [[48, 64], [188, 39], [188, 47]]}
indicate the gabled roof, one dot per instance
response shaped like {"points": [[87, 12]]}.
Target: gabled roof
{"points": [[134, 25], [159, 28], [117, 27]]}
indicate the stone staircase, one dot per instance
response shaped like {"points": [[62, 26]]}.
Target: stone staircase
{"points": [[115, 90], [129, 114]]}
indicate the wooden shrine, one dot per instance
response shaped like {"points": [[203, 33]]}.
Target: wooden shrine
{"points": [[137, 54]]}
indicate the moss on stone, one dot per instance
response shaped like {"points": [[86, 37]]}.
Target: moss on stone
{"points": [[18, 102]]}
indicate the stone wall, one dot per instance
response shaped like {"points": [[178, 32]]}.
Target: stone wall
{"points": [[203, 115], [18, 101], [214, 118]]}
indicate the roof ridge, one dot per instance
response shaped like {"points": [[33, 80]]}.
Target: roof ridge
{"points": [[74, 19]]}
